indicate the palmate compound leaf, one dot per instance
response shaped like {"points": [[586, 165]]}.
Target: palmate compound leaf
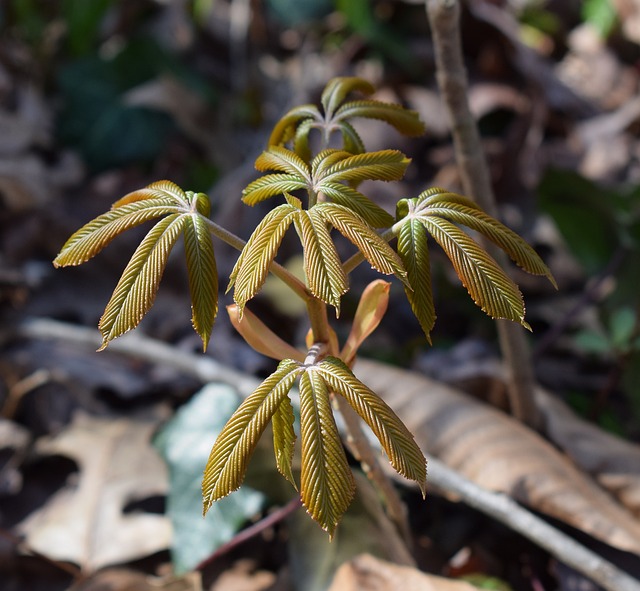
{"points": [[327, 485], [232, 450], [325, 276], [252, 266], [379, 254], [203, 276], [488, 285], [464, 211], [414, 252], [135, 292], [395, 438]]}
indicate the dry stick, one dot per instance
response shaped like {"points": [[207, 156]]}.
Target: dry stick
{"points": [[444, 17], [558, 544], [498, 506]]}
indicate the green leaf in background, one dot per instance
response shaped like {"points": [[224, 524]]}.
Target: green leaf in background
{"points": [[601, 14], [83, 21], [584, 215], [185, 443]]}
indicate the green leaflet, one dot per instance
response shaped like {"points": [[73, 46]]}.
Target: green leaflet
{"points": [[384, 165], [379, 254], [203, 276], [414, 252], [487, 284], [284, 130], [89, 240], [370, 212], [296, 124], [283, 160], [158, 190], [405, 121], [232, 450], [284, 439], [337, 90], [252, 266], [517, 249], [395, 438], [271, 185], [351, 139], [325, 276], [326, 482], [136, 291]]}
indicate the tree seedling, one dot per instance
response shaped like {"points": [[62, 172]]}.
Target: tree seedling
{"points": [[317, 187]]}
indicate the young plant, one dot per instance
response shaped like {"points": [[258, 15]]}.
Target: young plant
{"points": [[319, 193]]}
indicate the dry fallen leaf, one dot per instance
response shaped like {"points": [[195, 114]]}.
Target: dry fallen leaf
{"points": [[500, 454], [127, 580], [367, 573], [84, 522], [613, 462]]}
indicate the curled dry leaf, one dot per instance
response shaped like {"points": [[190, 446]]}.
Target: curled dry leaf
{"points": [[367, 573], [500, 454]]}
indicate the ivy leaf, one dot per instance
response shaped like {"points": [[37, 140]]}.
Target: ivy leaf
{"points": [[404, 120], [135, 293], [284, 439], [232, 450], [158, 190], [414, 252], [252, 266], [203, 276], [89, 240], [487, 284], [326, 482], [325, 276], [395, 438], [379, 254]]}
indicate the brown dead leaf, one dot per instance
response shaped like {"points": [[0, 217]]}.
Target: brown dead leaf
{"points": [[500, 454], [127, 580], [84, 523], [613, 462], [367, 573]]}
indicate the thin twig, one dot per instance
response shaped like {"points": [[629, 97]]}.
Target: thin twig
{"points": [[444, 18], [507, 511], [253, 530], [502, 508]]}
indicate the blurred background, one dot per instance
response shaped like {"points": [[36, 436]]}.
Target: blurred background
{"points": [[102, 97]]}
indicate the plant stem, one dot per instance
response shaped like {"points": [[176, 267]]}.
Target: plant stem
{"points": [[444, 18], [297, 286]]}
